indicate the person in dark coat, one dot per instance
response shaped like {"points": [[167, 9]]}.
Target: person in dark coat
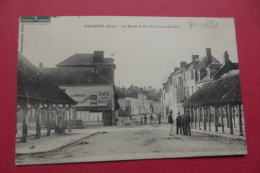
{"points": [[187, 123], [170, 121], [151, 119], [145, 119], [159, 118], [178, 122], [182, 124]]}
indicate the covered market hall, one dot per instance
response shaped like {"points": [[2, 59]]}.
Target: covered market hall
{"points": [[217, 104], [39, 97]]}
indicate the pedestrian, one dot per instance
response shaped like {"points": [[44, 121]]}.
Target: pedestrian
{"points": [[159, 118], [178, 122], [142, 120], [145, 119], [151, 119], [170, 121], [116, 121], [182, 124], [187, 122]]}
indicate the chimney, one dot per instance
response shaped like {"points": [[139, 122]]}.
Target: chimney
{"points": [[40, 65], [225, 58], [183, 63], [194, 57], [175, 68], [208, 56], [98, 57]]}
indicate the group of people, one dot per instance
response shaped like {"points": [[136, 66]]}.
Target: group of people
{"points": [[144, 119], [182, 123]]}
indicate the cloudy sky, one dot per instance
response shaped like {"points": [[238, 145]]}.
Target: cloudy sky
{"points": [[144, 56]]}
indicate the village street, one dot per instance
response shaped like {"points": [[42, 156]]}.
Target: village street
{"points": [[138, 141]]}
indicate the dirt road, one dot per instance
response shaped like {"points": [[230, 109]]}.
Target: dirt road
{"points": [[135, 143]]}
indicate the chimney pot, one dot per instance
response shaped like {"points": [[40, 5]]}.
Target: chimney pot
{"points": [[40, 65], [98, 57], [208, 56], [225, 57], [194, 57], [183, 63]]}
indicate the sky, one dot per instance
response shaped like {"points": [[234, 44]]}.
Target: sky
{"points": [[144, 56]]}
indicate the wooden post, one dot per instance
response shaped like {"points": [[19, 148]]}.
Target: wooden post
{"points": [[227, 115], [63, 115], [195, 117], [234, 116], [199, 112], [215, 118], [37, 115], [48, 112], [240, 120], [230, 119], [222, 121], [56, 118], [204, 118], [209, 118], [24, 107], [69, 120], [192, 116]]}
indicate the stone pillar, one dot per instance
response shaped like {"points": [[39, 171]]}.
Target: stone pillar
{"points": [[240, 121], [209, 117], [230, 119], [222, 121]]}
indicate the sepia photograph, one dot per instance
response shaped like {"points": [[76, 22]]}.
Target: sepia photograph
{"points": [[103, 88]]}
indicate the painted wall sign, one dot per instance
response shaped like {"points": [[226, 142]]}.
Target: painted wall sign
{"points": [[90, 95]]}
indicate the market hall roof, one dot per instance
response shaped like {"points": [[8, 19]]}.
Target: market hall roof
{"points": [[33, 84], [223, 90], [75, 76]]}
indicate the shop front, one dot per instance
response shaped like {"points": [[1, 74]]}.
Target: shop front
{"points": [[95, 104]]}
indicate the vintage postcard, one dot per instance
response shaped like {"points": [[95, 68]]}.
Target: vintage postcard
{"points": [[99, 88]]}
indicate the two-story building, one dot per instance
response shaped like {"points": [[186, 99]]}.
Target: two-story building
{"points": [[89, 80]]}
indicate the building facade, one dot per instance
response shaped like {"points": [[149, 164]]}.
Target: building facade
{"points": [[185, 80], [89, 80]]}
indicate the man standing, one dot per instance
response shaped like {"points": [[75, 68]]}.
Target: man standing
{"points": [[187, 122], [159, 118], [151, 119], [170, 121], [178, 121]]}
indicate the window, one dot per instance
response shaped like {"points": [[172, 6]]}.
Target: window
{"points": [[188, 94], [192, 74]]}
